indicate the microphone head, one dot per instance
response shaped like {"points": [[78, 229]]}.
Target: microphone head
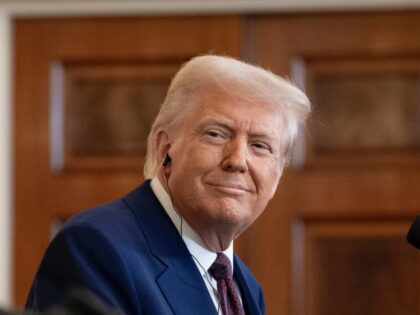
{"points": [[413, 236], [166, 160]]}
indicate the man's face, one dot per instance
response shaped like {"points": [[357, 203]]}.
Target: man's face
{"points": [[226, 163]]}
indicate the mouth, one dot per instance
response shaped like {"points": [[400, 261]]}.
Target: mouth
{"points": [[230, 188]]}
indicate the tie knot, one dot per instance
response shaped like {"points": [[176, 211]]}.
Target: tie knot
{"points": [[221, 268]]}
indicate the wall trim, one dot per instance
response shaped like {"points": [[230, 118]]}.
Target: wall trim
{"points": [[46, 8]]}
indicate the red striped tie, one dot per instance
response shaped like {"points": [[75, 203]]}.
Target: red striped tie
{"points": [[221, 270]]}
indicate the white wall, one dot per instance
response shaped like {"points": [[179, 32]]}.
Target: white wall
{"points": [[14, 8], [5, 162]]}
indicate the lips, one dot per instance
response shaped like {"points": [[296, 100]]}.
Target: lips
{"points": [[231, 188]]}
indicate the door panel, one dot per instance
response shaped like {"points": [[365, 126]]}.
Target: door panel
{"points": [[341, 214], [86, 93]]}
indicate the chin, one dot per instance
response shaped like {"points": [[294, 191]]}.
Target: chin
{"points": [[235, 217]]}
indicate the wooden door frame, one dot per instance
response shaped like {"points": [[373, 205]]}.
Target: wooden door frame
{"points": [[8, 14]]}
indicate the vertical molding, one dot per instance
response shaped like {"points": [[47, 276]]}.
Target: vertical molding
{"points": [[248, 38], [5, 160], [298, 75], [298, 267], [57, 117]]}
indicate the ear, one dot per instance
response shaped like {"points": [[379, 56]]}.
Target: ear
{"points": [[163, 144]]}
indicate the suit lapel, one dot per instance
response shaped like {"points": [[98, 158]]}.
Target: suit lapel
{"points": [[184, 297], [248, 298], [181, 282]]}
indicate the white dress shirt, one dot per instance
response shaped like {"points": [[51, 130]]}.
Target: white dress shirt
{"points": [[202, 257]]}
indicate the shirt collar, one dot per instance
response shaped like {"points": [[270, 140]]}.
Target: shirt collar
{"points": [[203, 257]]}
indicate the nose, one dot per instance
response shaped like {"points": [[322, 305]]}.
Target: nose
{"points": [[236, 156]]}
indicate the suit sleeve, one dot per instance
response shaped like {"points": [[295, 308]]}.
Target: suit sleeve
{"points": [[261, 302], [82, 257]]}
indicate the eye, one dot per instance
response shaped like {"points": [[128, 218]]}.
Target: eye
{"points": [[261, 147], [216, 136]]}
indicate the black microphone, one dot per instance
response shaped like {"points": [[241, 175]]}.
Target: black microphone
{"points": [[413, 236], [166, 160]]}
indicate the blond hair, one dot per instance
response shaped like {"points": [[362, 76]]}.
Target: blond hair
{"points": [[235, 78]]}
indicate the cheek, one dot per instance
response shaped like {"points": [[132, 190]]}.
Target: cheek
{"points": [[202, 157], [269, 177], [276, 180], [193, 165]]}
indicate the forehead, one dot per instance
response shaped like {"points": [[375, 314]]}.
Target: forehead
{"points": [[236, 111]]}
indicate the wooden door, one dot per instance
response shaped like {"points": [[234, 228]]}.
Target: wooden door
{"points": [[333, 239], [86, 92]]}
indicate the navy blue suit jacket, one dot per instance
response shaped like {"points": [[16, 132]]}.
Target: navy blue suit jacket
{"points": [[129, 253]]}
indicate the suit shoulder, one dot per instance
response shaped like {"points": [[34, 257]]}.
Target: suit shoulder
{"points": [[109, 215], [113, 220], [115, 215]]}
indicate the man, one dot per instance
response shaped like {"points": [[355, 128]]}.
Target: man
{"points": [[216, 152]]}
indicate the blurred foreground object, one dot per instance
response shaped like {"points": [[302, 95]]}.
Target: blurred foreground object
{"points": [[413, 236], [77, 302]]}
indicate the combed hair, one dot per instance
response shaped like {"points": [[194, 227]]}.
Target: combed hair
{"points": [[236, 78]]}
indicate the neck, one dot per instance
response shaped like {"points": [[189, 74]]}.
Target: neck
{"points": [[215, 243], [215, 239]]}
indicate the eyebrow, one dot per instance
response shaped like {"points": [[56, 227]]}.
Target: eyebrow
{"points": [[216, 122], [225, 124]]}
